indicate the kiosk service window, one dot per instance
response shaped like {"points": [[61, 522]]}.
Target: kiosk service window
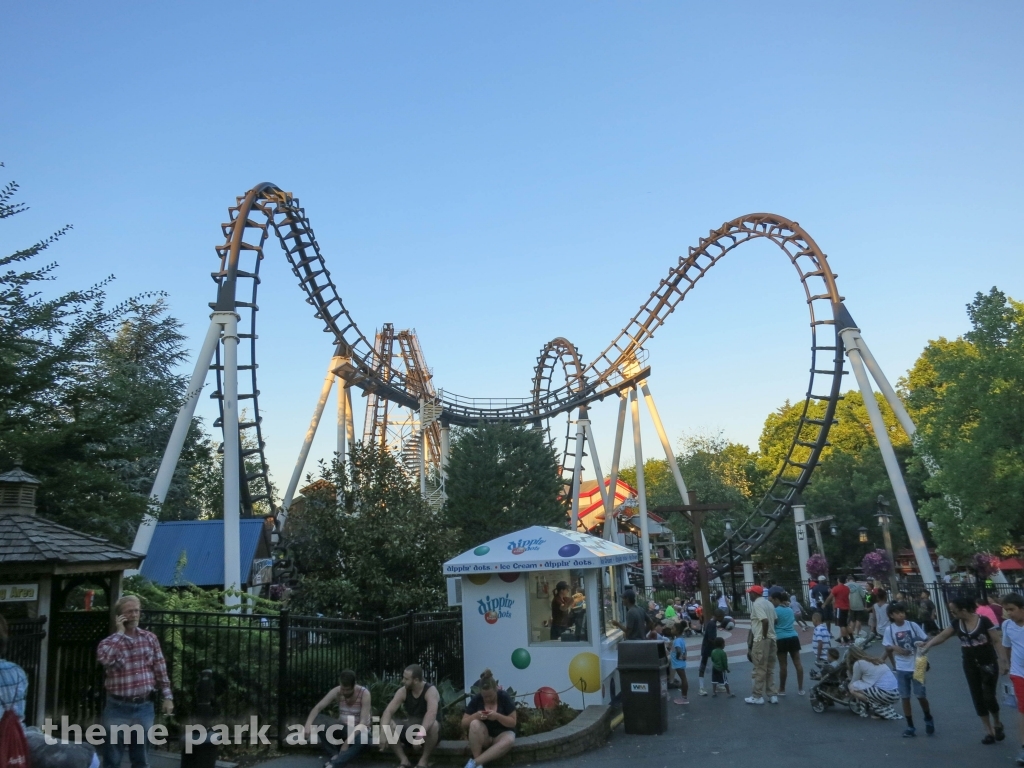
{"points": [[557, 607], [611, 600]]}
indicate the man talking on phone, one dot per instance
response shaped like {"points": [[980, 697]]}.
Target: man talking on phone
{"points": [[135, 673]]}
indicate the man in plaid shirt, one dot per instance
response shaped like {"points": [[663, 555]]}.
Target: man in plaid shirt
{"points": [[135, 670]]}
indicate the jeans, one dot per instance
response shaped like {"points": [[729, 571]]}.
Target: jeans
{"points": [[123, 713], [338, 757], [764, 655]]}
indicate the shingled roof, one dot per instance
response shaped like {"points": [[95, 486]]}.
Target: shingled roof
{"points": [[33, 543]]}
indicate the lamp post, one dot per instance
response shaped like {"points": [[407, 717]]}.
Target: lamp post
{"points": [[883, 520], [732, 568], [816, 527]]}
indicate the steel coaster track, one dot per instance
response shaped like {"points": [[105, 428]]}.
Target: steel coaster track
{"points": [[558, 351], [266, 206]]}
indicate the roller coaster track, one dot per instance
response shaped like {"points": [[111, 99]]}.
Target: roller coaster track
{"points": [[617, 368]]}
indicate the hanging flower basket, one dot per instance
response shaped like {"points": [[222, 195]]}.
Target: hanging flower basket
{"points": [[685, 575], [984, 564], [817, 565], [876, 564]]}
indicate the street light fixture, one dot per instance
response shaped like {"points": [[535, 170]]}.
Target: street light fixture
{"points": [[732, 570], [863, 534], [883, 516], [833, 529]]}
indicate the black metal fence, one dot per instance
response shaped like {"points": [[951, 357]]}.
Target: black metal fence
{"points": [[23, 648], [273, 666]]}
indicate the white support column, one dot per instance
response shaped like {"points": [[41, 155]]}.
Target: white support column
{"points": [[164, 475], [423, 449], [342, 420], [577, 470], [892, 467], [607, 498], [883, 383], [350, 430], [641, 491], [748, 578], [611, 527], [445, 448], [232, 566], [673, 464], [300, 463], [801, 547]]}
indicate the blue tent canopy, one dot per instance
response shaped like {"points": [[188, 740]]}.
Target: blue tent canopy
{"points": [[202, 542]]}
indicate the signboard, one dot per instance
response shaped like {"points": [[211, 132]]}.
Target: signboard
{"points": [[262, 571], [19, 593]]}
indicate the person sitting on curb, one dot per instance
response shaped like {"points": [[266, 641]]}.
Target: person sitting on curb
{"points": [[491, 720], [353, 709], [420, 702]]}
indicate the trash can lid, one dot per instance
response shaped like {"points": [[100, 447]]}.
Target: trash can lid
{"points": [[641, 654]]}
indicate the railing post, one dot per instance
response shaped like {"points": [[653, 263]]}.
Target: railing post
{"points": [[380, 646], [411, 656], [284, 632]]}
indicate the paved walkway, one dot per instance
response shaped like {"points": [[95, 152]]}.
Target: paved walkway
{"points": [[728, 732]]}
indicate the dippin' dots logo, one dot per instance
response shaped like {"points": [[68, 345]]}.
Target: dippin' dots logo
{"points": [[494, 608], [519, 546]]}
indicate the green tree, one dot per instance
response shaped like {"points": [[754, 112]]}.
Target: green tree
{"points": [[378, 553], [967, 399], [88, 394], [501, 478], [847, 481]]}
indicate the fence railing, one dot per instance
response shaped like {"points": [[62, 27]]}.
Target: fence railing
{"points": [[273, 666], [25, 639]]}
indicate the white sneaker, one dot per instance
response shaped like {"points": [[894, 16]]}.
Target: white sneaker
{"points": [[471, 763], [801, 693], [752, 700], [702, 692], [773, 700]]}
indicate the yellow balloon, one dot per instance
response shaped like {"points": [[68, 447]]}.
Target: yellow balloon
{"points": [[585, 672], [480, 578]]}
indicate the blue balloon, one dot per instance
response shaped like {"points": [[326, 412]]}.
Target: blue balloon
{"points": [[569, 550]]}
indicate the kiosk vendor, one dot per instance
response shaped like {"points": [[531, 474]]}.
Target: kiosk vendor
{"points": [[538, 608]]}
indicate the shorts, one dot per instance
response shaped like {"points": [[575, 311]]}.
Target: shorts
{"points": [[861, 616], [906, 683], [676, 664], [787, 645], [1018, 691], [719, 677], [842, 617]]}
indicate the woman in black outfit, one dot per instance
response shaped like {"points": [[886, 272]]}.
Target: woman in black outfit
{"points": [[978, 641]]}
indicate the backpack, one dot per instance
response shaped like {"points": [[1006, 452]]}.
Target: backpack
{"points": [[13, 746]]}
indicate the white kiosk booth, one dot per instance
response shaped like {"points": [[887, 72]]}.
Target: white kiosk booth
{"points": [[507, 590]]}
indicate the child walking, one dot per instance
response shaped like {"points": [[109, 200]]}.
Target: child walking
{"points": [[720, 669], [821, 640], [678, 664], [1012, 655], [901, 639]]}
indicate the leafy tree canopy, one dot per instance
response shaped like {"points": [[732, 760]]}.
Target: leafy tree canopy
{"points": [[378, 553], [501, 478], [967, 399], [88, 394]]}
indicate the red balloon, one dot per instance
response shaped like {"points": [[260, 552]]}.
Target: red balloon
{"points": [[545, 698]]}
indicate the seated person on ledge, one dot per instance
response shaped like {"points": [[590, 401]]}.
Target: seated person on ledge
{"points": [[353, 701], [491, 720], [420, 702]]}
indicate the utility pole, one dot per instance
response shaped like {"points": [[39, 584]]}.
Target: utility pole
{"points": [[694, 512]]}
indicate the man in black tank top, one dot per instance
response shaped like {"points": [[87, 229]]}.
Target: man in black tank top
{"points": [[418, 701]]}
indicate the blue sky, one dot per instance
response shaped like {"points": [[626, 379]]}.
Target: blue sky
{"points": [[495, 175]]}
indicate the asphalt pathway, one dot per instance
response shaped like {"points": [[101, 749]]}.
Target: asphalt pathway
{"points": [[727, 732]]}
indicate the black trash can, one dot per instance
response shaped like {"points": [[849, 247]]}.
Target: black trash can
{"points": [[643, 673]]}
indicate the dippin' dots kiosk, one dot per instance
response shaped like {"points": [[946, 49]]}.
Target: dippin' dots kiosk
{"points": [[507, 590]]}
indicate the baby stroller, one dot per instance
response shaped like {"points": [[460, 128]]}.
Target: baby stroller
{"points": [[832, 688]]}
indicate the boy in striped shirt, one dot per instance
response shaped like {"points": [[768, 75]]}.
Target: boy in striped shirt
{"points": [[821, 640]]}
